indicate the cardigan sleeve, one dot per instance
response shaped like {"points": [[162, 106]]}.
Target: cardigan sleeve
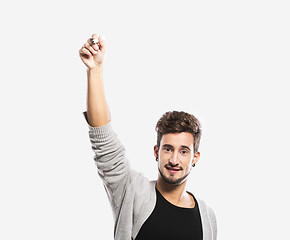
{"points": [[213, 220], [112, 164]]}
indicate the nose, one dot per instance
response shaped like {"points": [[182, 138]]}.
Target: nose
{"points": [[174, 159]]}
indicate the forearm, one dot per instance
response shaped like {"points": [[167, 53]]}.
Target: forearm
{"points": [[98, 112]]}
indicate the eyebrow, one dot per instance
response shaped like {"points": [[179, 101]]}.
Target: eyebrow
{"points": [[170, 146]]}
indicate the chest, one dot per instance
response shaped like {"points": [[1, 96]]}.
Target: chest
{"points": [[171, 222]]}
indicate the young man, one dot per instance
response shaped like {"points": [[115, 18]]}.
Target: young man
{"points": [[143, 209]]}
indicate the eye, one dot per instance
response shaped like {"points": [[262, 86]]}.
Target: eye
{"points": [[167, 149], [184, 152]]}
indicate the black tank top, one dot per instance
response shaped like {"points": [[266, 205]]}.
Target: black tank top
{"points": [[170, 222]]}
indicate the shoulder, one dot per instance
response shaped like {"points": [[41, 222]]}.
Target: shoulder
{"points": [[206, 207]]}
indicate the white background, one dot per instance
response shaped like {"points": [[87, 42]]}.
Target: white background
{"points": [[226, 62]]}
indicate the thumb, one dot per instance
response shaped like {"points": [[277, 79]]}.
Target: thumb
{"points": [[102, 42], [102, 38]]}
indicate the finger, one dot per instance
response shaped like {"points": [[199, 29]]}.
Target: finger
{"points": [[90, 48], [102, 43], [92, 44], [85, 52], [95, 38], [94, 35]]}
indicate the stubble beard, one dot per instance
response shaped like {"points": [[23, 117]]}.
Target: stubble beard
{"points": [[173, 181]]}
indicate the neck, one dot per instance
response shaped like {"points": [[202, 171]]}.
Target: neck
{"points": [[175, 193]]}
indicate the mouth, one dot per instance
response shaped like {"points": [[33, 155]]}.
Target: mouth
{"points": [[173, 170]]}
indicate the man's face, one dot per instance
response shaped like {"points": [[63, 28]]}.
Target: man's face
{"points": [[175, 157]]}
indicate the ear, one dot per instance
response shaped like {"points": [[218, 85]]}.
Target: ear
{"points": [[196, 158], [156, 151]]}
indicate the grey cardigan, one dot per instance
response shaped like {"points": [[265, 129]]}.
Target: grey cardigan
{"points": [[132, 196]]}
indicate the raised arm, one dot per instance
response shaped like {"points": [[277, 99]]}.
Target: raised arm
{"points": [[110, 158], [92, 54]]}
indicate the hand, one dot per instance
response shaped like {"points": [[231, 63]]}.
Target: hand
{"points": [[93, 54]]}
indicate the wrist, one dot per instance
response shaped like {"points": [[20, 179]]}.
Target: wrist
{"points": [[97, 67]]}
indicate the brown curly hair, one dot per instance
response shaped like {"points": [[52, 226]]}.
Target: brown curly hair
{"points": [[179, 121]]}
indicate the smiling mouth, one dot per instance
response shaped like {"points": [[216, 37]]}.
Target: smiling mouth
{"points": [[173, 170]]}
